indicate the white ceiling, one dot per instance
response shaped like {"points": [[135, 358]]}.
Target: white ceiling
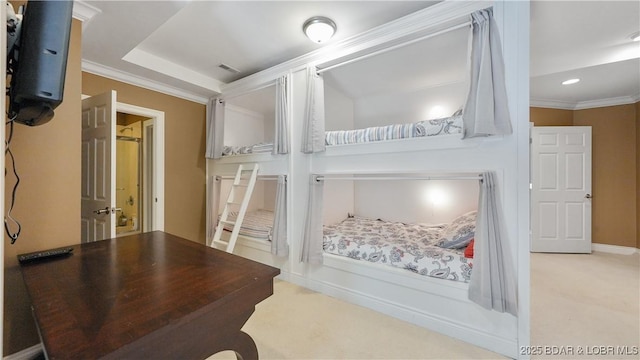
{"points": [[590, 40], [177, 46]]}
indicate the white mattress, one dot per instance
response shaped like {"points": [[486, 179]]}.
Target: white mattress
{"points": [[257, 224]]}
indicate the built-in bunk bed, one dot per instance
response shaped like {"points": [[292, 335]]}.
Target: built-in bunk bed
{"points": [[356, 95], [263, 231], [254, 127], [418, 107], [398, 100]]}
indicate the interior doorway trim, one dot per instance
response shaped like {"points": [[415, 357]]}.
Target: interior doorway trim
{"points": [[155, 125]]}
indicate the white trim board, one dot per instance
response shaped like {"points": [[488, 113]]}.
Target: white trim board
{"points": [[614, 249], [114, 74], [581, 105]]}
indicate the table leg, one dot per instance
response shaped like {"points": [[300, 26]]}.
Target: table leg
{"points": [[245, 348]]}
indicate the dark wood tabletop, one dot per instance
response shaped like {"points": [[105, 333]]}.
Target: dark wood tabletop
{"points": [[152, 295]]}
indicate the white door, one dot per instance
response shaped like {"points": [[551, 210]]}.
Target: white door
{"points": [[561, 189], [98, 169]]}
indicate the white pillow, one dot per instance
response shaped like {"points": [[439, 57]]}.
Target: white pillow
{"points": [[459, 233]]}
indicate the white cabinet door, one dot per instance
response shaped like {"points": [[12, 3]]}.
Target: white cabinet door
{"points": [[561, 189], [98, 169]]}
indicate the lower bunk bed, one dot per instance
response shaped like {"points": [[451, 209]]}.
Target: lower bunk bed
{"points": [[256, 229], [442, 251], [416, 272], [256, 237]]}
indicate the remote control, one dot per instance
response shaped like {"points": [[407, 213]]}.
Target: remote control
{"points": [[46, 254]]}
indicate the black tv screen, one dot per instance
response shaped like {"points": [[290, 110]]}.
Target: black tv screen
{"points": [[39, 61]]}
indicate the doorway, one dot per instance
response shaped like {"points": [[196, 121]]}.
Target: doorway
{"points": [[138, 204], [129, 182], [151, 215]]}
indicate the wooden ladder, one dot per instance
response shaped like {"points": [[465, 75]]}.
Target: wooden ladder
{"points": [[239, 201]]}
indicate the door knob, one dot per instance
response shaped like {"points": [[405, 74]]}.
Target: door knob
{"points": [[102, 211], [588, 196]]}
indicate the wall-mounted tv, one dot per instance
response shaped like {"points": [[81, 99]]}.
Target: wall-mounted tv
{"points": [[37, 59]]}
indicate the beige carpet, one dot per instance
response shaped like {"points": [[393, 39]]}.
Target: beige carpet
{"points": [[586, 302], [296, 323], [577, 300]]}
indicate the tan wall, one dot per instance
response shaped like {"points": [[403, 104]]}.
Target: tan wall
{"points": [[47, 201], [185, 164], [550, 117], [616, 206], [48, 161], [614, 173]]}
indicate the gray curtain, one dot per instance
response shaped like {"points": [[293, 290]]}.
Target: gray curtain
{"points": [[486, 111], [281, 141], [215, 128], [312, 237], [279, 246], [213, 203], [493, 279], [313, 122]]}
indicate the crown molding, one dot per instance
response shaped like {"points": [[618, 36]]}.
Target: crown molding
{"points": [[84, 12], [582, 105], [111, 73], [621, 100], [420, 21], [552, 104]]}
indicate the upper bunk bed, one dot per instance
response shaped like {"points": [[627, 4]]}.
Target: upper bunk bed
{"points": [[410, 92], [251, 126], [441, 90]]}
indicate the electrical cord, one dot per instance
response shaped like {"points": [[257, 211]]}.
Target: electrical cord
{"points": [[7, 150]]}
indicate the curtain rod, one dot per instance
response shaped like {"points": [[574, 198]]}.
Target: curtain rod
{"points": [[381, 51], [396, 177], [259, 177]]}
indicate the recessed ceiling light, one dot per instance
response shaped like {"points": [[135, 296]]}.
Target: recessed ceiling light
{"points": [[636, 36], [570, 81], [319, 29]]}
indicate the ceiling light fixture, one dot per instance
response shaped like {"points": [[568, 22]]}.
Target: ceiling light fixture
{"points": [[570, 81], [636, 36], [319, 29]]}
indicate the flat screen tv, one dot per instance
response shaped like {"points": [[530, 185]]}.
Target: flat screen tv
{"points": [[37, 61]]}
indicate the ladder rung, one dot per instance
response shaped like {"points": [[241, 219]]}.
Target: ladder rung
{"points": [[239, 182]]}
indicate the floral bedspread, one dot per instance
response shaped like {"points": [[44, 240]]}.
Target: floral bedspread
{"points": [[407, 246]]}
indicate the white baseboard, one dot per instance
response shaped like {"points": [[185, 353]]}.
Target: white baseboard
{"points": [[26, 354], [614, 249]]}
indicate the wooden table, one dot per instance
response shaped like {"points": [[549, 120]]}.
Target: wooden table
{"points": [[148, 296]]}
